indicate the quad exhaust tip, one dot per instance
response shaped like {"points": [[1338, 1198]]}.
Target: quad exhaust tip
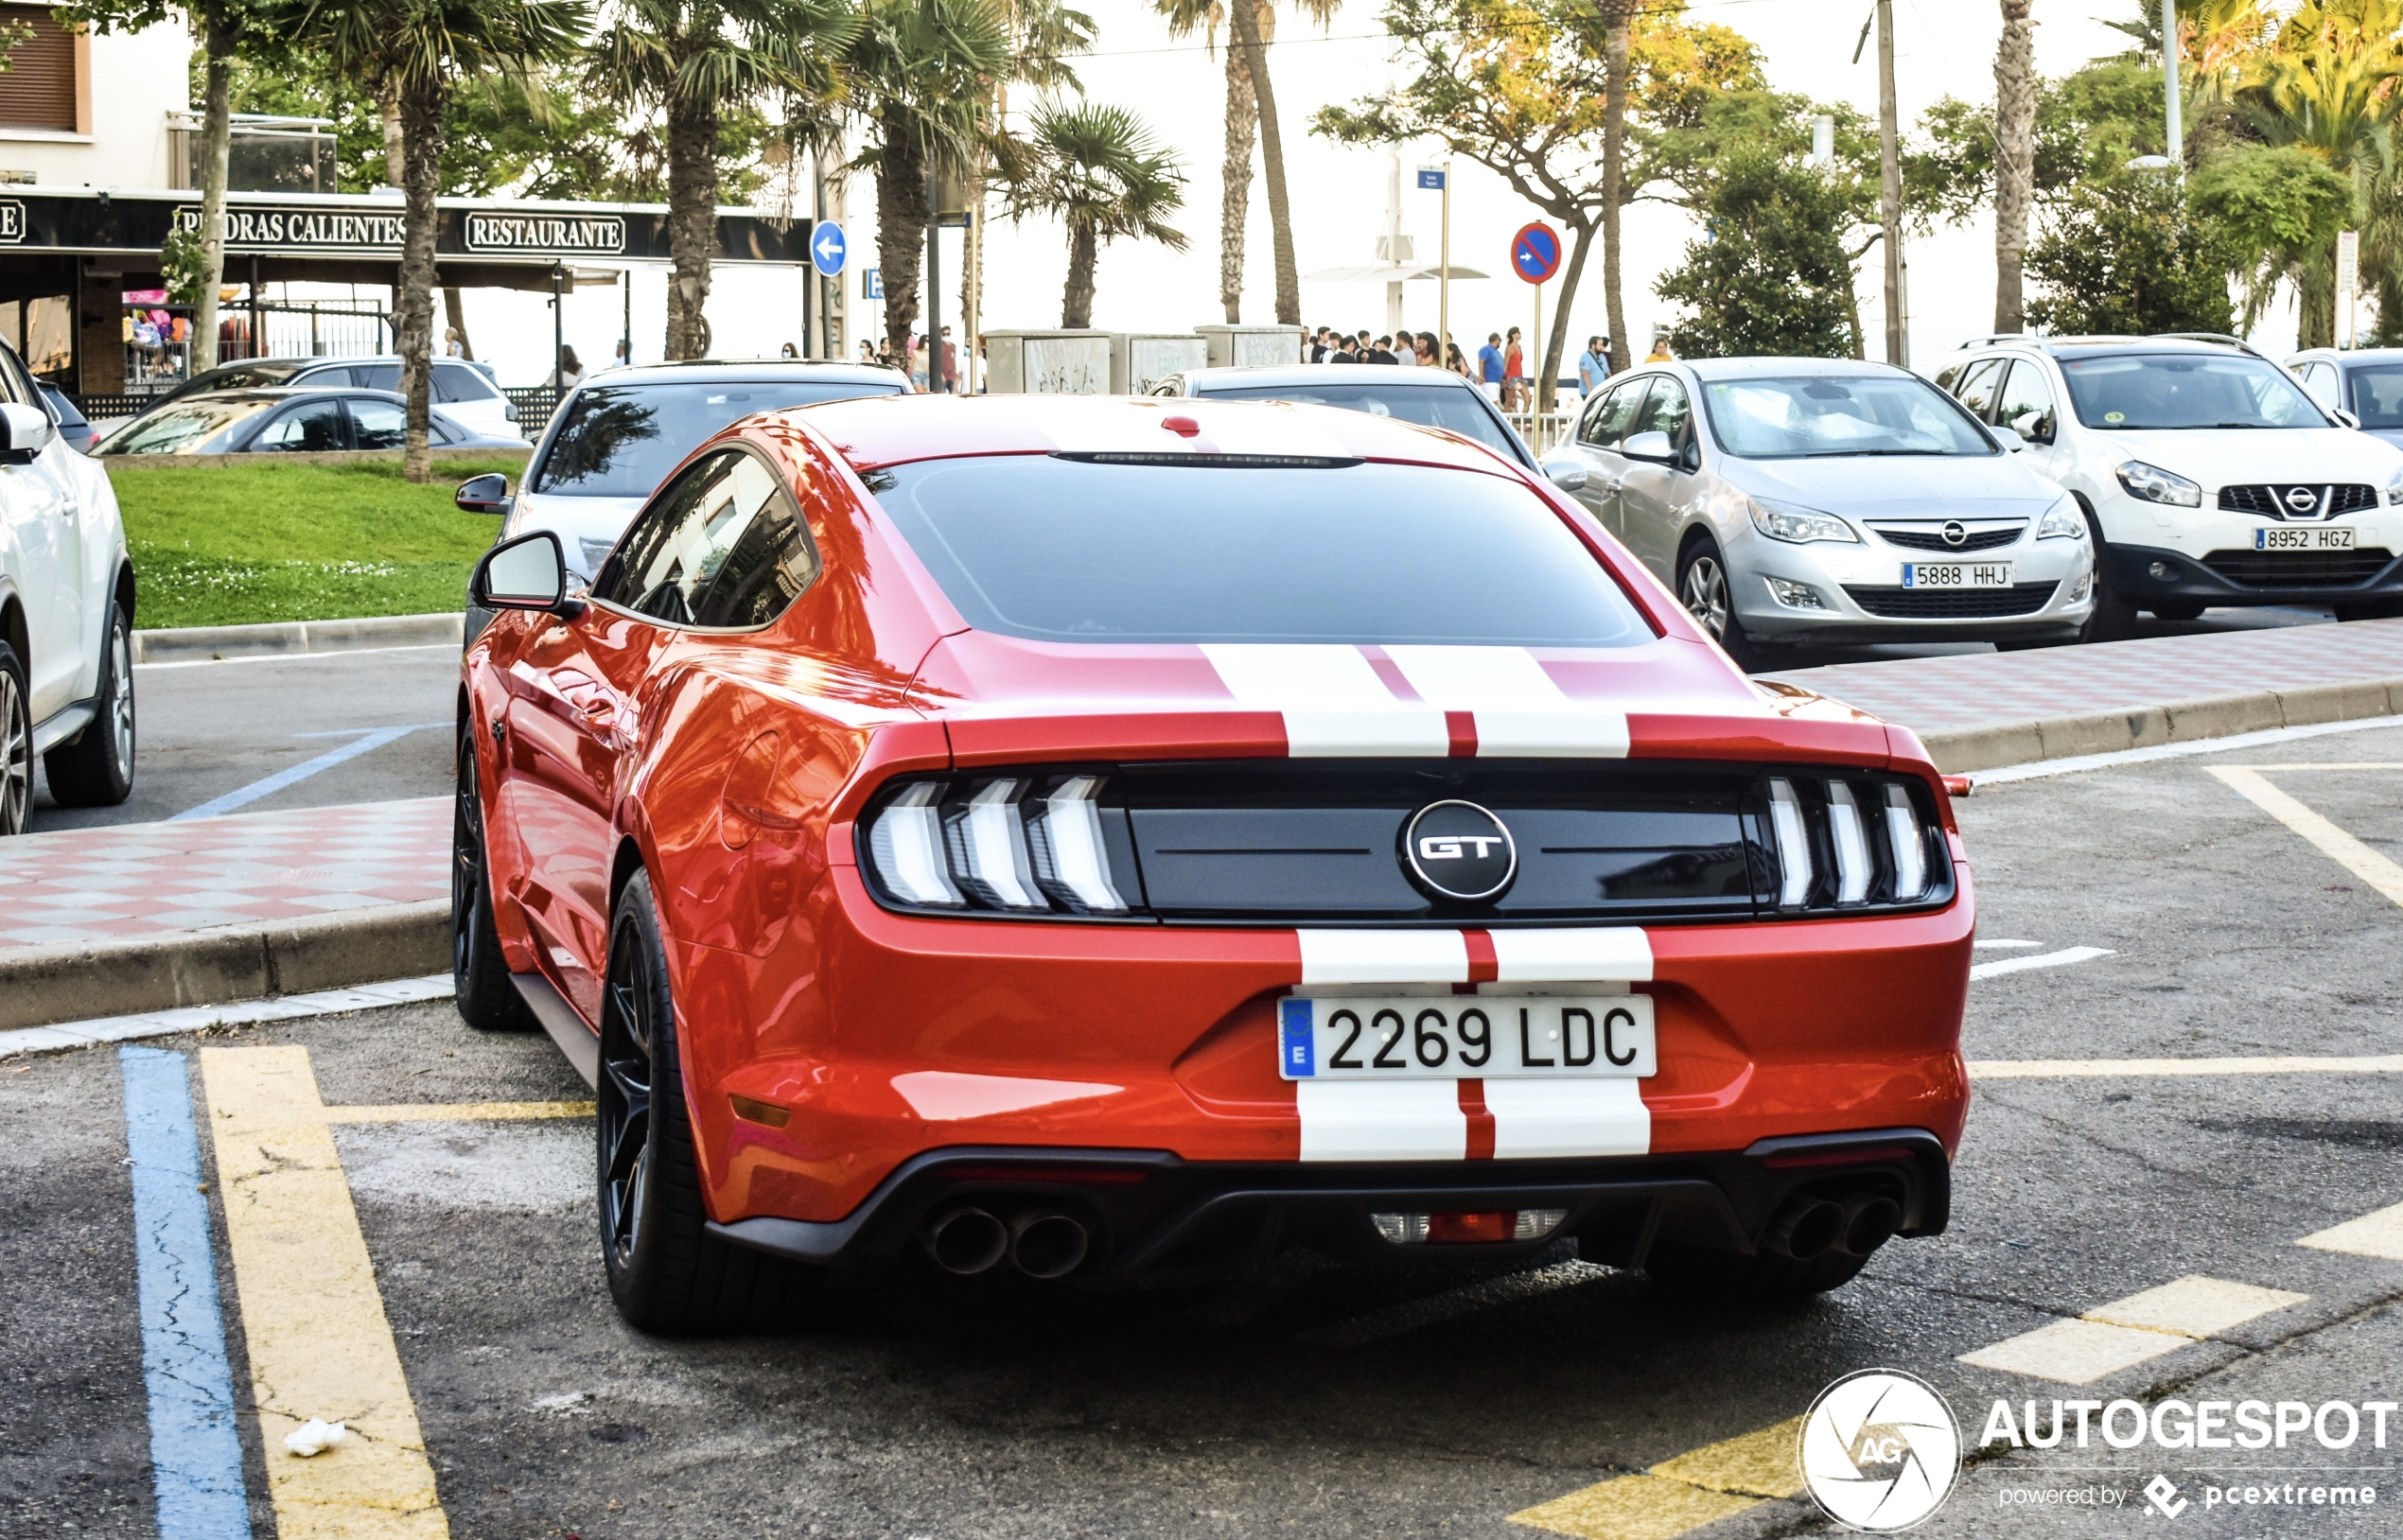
{"points": [[1811, 1227], [1039, 1243], [967, 1241], [1047, 1244]]}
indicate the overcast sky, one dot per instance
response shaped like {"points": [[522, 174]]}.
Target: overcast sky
{"points": [[1337, 194]]}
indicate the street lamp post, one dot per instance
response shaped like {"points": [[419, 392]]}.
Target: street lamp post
{"points": [[2173, 115]]}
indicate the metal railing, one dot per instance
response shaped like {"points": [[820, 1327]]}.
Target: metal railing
{"points": [[1545, 431]]}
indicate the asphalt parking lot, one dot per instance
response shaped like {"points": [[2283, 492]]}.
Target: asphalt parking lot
{"points": [[2158, 911]]}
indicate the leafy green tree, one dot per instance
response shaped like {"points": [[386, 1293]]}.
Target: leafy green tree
{"points": [[695, 63], [2279, 210], [1770, 274], [2127, 257], [1103, 173], [418, 51], [919, 75]]}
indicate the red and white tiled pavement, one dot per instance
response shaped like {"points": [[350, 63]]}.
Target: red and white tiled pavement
{"points": [[134, 881]]}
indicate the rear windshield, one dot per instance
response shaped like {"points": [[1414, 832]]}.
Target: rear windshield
{"points": [[621, 441], [1808, 417], [173, 429], [232, 376], [1059, 550], [1427, 406], [2187, 390], [2378, 394]]}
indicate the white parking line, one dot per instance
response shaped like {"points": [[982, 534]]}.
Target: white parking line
{"points": [[2005, 946], [2042, 959], [2048, 1069], [2036, 769], [162, 1024], [2128, 1332], [300, 657], [2379, 1234]]}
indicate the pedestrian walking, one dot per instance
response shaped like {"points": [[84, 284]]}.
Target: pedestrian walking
{"points": [[1490, 366], [1660, 353], [950, 357], [1593, 365], [1344, 351], [570, 369], [1382, 352], [1456, 360], [1514, 373], [1321, 345]]}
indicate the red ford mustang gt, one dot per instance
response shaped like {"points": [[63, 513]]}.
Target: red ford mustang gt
{"points": [[1100, 837]]}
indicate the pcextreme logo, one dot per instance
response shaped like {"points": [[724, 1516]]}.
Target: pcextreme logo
{"points": [[1880, 1450]]}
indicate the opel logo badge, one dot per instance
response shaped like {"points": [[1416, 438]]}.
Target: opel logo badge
{"points": [[2301, 499], [1458, 851], [1954, 534]]}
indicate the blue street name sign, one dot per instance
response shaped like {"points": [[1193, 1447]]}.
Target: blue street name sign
{"points": [[828, 249], [1430, 179]]}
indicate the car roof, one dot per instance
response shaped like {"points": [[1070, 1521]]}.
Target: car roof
{"points": [[1324, 373], [2349, 355], [1762, 367], [889, 431], [708, 370]]}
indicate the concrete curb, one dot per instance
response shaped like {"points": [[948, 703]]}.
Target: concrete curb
{"points": [[43, 985], [2177, 722], [201, 643]]}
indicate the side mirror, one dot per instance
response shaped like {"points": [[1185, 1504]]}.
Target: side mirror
{"points": [[526, 574], [1566, 474], [2343, 417], [1651, 445], [24, 431], [482, 493]]}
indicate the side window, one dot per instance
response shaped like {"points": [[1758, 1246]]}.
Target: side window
{"points": [[2025, 403], [2319, 381], [461, 382], [1977, 387], [1944, 378], [1665, 410], [376, 377], [1606, 420], [311, 426], [722, 546], [380, 425]]}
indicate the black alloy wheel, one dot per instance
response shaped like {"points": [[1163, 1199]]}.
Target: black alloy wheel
{"points": [[667, 1273], [479, 973], [16, 744], [95, 768], [1704, 588]]}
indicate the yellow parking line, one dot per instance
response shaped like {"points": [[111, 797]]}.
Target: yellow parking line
{"points": [[2379, 1234], [320, 1344], [2368, 864], [1702, 1486], [2129, 1331], [459, 1111]]}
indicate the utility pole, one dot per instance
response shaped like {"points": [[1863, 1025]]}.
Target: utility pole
{"points": [[1443, 284], [934, 281], [1889, 203], [2174, 115]]}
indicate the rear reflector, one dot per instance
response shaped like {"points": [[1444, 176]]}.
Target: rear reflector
{"points": [[1485, 1227], [1860, 1155]]}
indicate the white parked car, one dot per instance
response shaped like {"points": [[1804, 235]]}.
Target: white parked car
{"points": [[2209, 475], [1826, 501], [66, 613]]}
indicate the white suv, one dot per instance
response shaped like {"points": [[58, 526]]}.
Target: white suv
{"points": [[2209, 475], [67, 615]]}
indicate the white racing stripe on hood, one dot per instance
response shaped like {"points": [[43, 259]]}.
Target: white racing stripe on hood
{"points": [[1388, 1120], [1588, 1115], [1520, 712], [1333, 702]]}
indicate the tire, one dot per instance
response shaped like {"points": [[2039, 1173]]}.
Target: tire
{"points": [[2177, 609], [95, 768], [2114, 616], [1763, 1277], [667, 1273], [16, 743], [479, 972], [1703, 588]]}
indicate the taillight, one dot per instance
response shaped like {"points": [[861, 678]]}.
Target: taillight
{"points": [[1028, 844], [1845, 841]]}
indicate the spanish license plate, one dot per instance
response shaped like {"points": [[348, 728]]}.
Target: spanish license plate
{"points": [[1437, 1038], [2306, 537], [1956, 574]]}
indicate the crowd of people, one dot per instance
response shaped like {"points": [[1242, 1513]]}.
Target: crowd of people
{"points": [[1501, 367]]}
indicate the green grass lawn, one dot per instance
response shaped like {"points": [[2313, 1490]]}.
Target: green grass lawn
{"points": [[230, 545]]}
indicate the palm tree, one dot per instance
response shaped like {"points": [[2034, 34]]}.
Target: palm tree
{"points": [[418, 49], [1187, 17], [695, 61], [920, 74], [2014, 159], [1618, 21], [1104, 174]]}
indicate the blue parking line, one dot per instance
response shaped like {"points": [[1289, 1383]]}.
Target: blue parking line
{"points": [[373, 738], [196, 1450]]}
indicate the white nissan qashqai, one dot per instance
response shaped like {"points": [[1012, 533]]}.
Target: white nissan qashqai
{"points": [[66, 613], [2210, 477]]}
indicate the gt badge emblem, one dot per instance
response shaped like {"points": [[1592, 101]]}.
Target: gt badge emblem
{"points": [[1458, 851], [1954, 533]]}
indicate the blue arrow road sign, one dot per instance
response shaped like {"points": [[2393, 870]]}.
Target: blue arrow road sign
{"points": [[827, 248], [1534, 253], [1430, 179]]}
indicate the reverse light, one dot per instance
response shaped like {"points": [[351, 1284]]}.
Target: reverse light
{"points": [[906, 844], [2151, 483], [1484, 1228], [2062, 521], [1909, 844], [987, 841], [1852, 867], [1797, 525], [1794, 844], [1070, 860]]}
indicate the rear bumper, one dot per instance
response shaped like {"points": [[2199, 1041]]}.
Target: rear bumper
{"points": [[1149, 1212]]}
